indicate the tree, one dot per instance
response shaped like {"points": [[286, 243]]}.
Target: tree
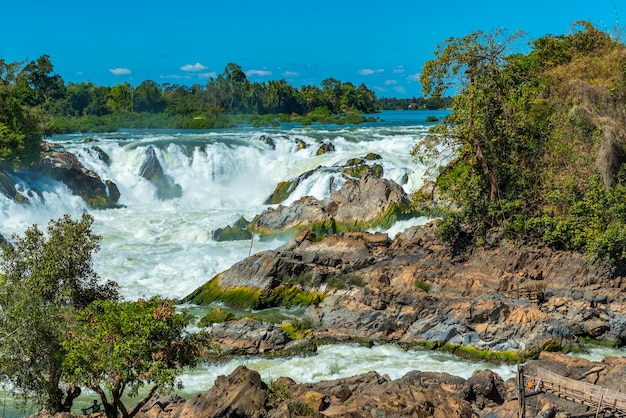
{"points": [[475, 62], [493, 136], [37, 84], [121, 98], [45, 279], [148, 98], [21, 127], [114, 348]]}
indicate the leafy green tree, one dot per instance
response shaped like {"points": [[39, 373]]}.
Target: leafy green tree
{"points": [[535, 142], [37, 85], [148, 97], [21, 126], [119, 348], [45, 278], [121, 98]]}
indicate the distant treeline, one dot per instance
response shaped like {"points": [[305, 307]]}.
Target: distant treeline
{"points": [[222, 101], [419, 103]]}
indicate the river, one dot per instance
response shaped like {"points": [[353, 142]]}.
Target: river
{"points": [[165, 247]]}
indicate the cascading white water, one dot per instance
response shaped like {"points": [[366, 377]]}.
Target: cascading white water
{"points": [[165, 247], [152, 246]]}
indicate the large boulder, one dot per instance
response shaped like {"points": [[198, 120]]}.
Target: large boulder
{"points": [[248, 337], [241, 394], [65, 167], [151, 170], [359, 204]]}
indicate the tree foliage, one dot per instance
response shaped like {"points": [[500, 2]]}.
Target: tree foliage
{"points": [[535, 142], [45, 279], [23, 90], [119, 348]]}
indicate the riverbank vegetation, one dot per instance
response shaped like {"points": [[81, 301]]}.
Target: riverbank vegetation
{"points": [[61, 327], [535, 142]]}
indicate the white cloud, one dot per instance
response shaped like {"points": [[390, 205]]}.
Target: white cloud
{"points": [[175, 77], [368, 71], [258, 72], [193, 67], [120, 71], [212, 74], [414, 77], [79, 73], [290, 74], [391, 82], [399, 69], [399, 89]]}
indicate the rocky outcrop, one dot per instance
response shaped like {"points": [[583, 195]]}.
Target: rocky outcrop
{"points": [[65, 167], [151, 170], [358, 204], [502, 296], [244, 394], [247, 337], [354, 168]]}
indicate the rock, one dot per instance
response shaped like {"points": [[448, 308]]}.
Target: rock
{"points": [[485, 389], [247, 336], [151, 170], [85, 183], [241, 394], [367, 201], [7, 186], [268, 141], [300, 144], [239, 231], [325, 148], [358, 168], [284, 189]]}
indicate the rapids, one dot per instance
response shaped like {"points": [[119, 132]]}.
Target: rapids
{"points": [[165, 247]]}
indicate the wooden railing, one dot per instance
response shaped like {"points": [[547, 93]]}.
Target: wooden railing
{"points": [[605, 401]]}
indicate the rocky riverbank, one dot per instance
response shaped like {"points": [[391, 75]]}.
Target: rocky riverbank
{"points": [[416, 394], [504, 296]]}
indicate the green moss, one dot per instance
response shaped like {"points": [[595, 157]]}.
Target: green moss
{"points": [[215, 316], [343, 281], [386, 219], [237, 297], [101, 202], [240, 297], [289, 296], [422, 285], [599, 343], [473, 353], [282, 191]]}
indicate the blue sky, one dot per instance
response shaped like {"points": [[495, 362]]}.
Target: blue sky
{"points": [[381, 44]]}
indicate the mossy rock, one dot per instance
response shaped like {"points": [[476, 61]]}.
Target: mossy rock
{"points": [[7, 187], [325, 148], [284, 189], [101, 202], [216, 316], [301, 144], [239, 231], [329, 226], [241, 297], [373, 156], [360, 170]]}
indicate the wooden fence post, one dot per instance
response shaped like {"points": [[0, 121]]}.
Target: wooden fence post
{"points": [[521, 391]]}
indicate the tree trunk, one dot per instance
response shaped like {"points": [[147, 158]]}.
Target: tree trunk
{"points": [[493, 183]]}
